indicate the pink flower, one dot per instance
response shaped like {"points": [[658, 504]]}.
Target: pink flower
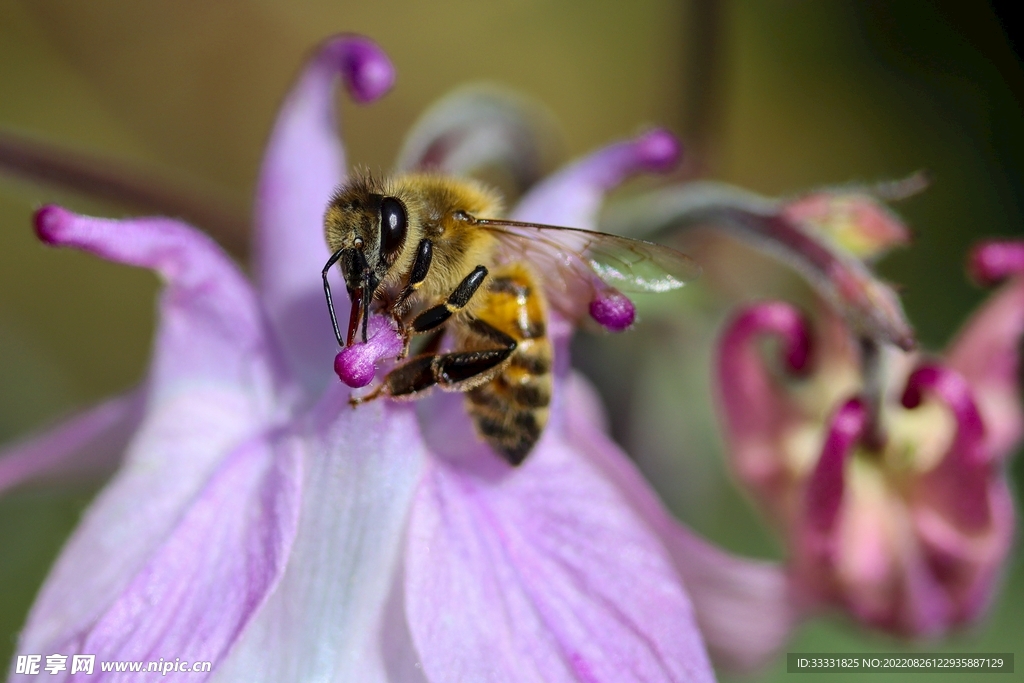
{"points": [[884, 469], [258, 522]]}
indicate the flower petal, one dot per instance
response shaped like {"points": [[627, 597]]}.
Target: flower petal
{"points": [[855, 220], [303, 165], [913, 555], [880, 574], [212, 384], [756, 409], [555, 577], [479, 129], [968, 564], [200, 588], [324, 622], [987, 350], [573, 196], [167, 464], [745, 608], [824, 494], [818, 535], [92, 440], [212, 329], [958, 487]]}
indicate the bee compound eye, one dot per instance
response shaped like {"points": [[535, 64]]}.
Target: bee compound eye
{"points": [[393, 225]]}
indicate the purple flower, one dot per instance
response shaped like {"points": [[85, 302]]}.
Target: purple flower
{"points": [[884, 469], [258, 522]]}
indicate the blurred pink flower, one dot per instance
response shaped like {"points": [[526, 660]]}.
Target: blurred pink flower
{"points": [[884, 469], [258, 522]]}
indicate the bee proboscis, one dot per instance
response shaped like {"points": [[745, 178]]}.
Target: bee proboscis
{"points": [[433, 252]]}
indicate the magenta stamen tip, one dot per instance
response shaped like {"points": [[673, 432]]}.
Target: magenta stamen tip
{"points": [[659, 150], [356, 365], [613, 310]]}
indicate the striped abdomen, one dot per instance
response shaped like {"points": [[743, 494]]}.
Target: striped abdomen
{"points": [[511, 410]]}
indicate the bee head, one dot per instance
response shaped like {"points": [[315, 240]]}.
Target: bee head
{"points": [[367, 230], [370, 230]]}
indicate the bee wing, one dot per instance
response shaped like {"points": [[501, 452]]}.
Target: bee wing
{"points": [[574, 263]]}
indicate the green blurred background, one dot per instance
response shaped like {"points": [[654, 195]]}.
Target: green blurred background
{"points": [[777, 96]]}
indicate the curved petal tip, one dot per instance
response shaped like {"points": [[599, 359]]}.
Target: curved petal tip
{"points": [[825, 488], [785, 321], [364, 66], [356, 365], [49, 221], [951, 387], [993, 261], [613, 310], [658, 151]]}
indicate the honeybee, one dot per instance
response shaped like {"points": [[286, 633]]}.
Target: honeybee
{"points": [[433, 253]]}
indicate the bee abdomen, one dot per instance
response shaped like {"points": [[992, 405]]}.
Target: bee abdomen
{"points": [[511, 410], [512, 434]]}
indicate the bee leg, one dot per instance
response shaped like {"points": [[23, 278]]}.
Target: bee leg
{"points": [[420, 268], [456, 371], [429, 347], [457, 300], [403, 330], [375, 394]]}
